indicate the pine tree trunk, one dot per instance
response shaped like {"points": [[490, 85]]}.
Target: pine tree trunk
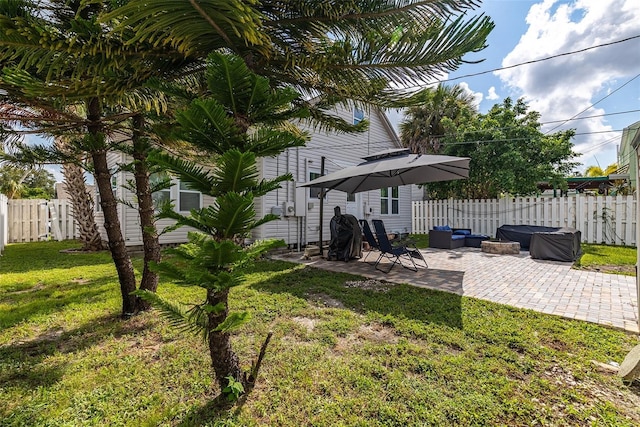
{"points": [[223, 359], [109, 205], [150, 241], [82, 205]]}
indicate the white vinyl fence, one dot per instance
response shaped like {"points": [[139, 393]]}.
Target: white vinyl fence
{"points": [[30, 220], [4, 232], [601, 219]]}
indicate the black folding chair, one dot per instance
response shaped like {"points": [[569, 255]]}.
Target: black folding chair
{"points": [[368, 236], [395, 253]]}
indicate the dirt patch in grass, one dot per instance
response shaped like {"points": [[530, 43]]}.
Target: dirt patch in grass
{"points": [[374, 333], [596, 393], [325, 300], [36, 288], [377, 333], [307, 322], [629, 270], [370, 285]]}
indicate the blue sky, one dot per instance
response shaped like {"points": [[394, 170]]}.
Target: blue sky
{"points": [[563, 87]]}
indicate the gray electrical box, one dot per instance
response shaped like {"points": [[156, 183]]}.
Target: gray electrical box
{"points": [[276, 210], [300, 202]]}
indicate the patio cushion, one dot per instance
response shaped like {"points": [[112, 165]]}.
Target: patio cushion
{"points": [[442, 228], [462, 232], [457, 236]]}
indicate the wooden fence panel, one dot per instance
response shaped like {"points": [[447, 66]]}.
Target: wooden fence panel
{"points": [[601, 219]]}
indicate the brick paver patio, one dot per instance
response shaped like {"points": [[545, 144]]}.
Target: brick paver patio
{"points": [[517, 280]]}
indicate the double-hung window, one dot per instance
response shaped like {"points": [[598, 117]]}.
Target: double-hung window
{"points": [[314, 193], [188, 199], [160, 194], [389, 201]]}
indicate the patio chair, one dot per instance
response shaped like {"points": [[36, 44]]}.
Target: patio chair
{"points": [[369, 237], [395, 253]]}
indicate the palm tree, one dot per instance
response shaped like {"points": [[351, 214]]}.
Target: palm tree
{"points": [[59, 81], [423, 129], [597, 170], [365, 50], [12, 181], [243, 119], [81, 201]]}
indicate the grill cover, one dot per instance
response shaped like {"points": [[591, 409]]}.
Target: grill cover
{"points": [[346, 238]]}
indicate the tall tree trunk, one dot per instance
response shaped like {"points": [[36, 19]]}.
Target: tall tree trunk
{"points": [[223, 359], [82, 204], [109, 205], [150, 241]]}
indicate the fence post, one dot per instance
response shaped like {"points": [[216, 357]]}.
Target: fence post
{"points": [[4, 221]]}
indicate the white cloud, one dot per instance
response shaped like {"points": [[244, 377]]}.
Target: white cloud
{"points": [[55, 170], [491, 94], [477, 96], [563, 87]]}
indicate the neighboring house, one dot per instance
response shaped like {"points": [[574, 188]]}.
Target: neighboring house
{"points": [[627, 151], [299, 208]]}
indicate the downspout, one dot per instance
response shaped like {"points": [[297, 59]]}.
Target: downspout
{"points": [[321, 208]]}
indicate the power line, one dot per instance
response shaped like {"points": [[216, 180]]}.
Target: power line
{"points": [[588, 117], [386, 142], [533, 61], [594, 104]]}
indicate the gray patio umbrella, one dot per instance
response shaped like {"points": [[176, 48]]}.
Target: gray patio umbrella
{"points": [[393, 168]]}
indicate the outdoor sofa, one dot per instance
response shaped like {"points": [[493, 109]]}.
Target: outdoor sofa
{"points": [[445, 237]]}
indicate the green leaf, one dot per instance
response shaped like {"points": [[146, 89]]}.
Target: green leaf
{"points": [[177, 315], [233, 321]]}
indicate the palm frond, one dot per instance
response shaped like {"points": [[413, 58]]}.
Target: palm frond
{"points": [[179, 317], [232, 214], [206, 125], [192, 28], [267, 185], [233, 322], [191, 173], [234, 171], [265, 142]]}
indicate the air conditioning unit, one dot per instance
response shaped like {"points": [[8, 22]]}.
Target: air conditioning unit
{"points": [[288, 209]]}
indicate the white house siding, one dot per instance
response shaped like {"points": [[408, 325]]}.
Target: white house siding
{"points": [[129, 219], [113, 159], [340, 150]]}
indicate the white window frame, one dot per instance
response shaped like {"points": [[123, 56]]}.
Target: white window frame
{"points": [[314, 193], [358, 115], [166, 190], [179, 192], [390, 198]]}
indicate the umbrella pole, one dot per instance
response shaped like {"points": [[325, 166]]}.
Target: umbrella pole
{"points": [[321, 209]]}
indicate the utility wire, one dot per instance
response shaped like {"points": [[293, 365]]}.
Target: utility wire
{"points": [[386, 142], [594, 104], [528, 62]]}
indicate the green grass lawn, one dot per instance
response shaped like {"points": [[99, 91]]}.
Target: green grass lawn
{"points": [[609, 259], [343, 353]]}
